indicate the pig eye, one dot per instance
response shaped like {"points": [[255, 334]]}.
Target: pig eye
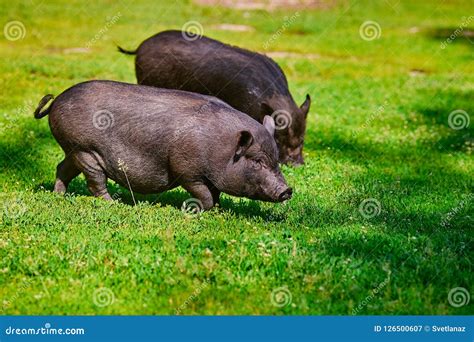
{"points": [[258, 163]]}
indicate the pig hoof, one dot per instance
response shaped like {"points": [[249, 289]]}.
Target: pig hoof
{"points": [[103, 194], [59, 188], [107, 197]]}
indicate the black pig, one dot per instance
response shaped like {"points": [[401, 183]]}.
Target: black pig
{"points": [[151, 140], [248, 81]]}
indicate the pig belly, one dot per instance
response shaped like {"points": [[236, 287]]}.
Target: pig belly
{"points": [[140, 174]]}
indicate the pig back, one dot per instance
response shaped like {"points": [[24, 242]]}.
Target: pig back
{"points": [[240, 77]]}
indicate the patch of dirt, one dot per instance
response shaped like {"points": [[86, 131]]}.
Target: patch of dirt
{"points": [[67, 51], [76, 50], [233, 27], [269, 5], [417, 72]]}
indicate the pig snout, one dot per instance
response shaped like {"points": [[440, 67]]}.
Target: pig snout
{"points": [[285, 194], [278, 190]]}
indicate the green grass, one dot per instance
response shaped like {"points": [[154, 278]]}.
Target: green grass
{"points": [[376, 130]]}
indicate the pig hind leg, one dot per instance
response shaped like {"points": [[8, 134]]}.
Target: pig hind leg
{"points": [[65, 172], [95, 175]]}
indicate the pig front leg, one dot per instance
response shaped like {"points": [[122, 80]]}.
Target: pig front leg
{"points": [[202, 192]]}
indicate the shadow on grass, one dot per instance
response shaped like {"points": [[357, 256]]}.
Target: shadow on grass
{"points": [[401, 180], [174, 198], [25, 159], [451, 109]]}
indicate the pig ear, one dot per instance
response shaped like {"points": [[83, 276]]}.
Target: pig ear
{"points": [[305, 106], [245, 141], [269, 124]]}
